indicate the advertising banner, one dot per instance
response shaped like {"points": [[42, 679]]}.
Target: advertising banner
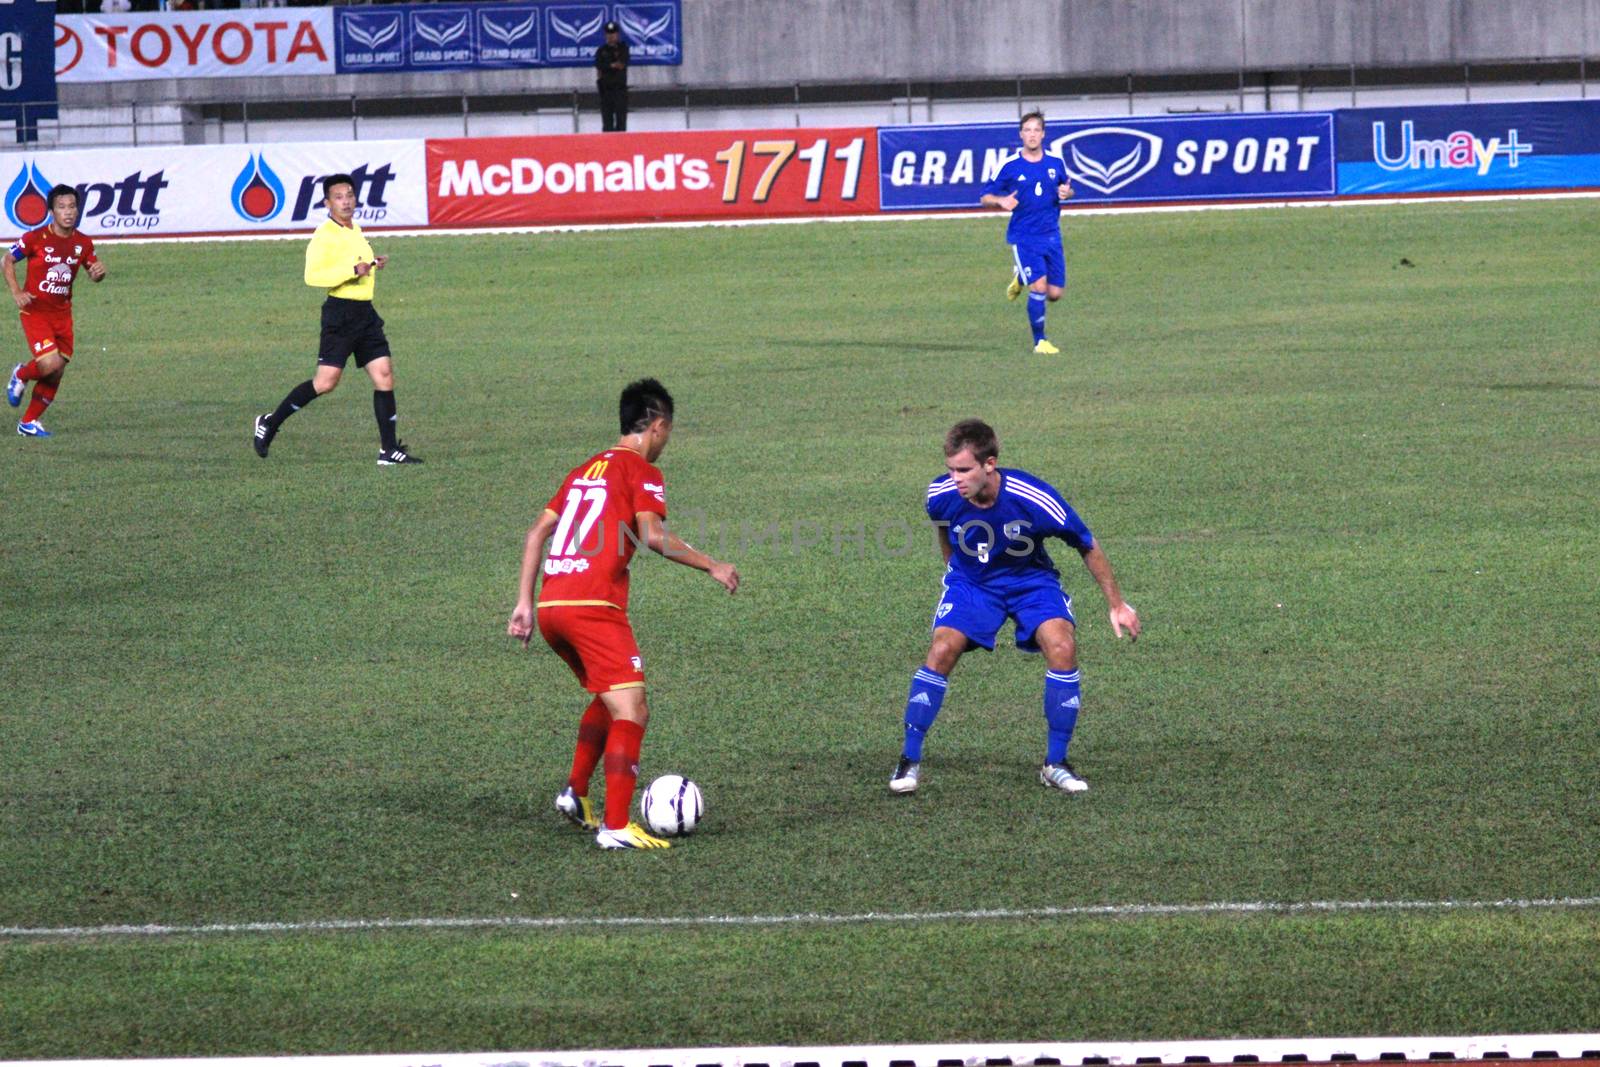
{"points": [[511, 34], [27, 68], [1190, 157], [228, 189], [1469, 148], [508, 181], [194, 44]]}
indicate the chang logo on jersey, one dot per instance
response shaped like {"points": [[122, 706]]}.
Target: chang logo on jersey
{"points": [[574, 30], [371, 40], [649, 30], [1108, 158], [509, 34], [1460, 150], [27, 198], [439, 38], [257, 192]]}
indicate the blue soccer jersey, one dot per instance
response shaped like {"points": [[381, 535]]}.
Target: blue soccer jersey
{"points": [[1037, 216], [1005, 541]]}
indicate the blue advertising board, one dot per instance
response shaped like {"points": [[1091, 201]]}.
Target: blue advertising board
{"points": [[1189, 157], [1469, 148], [27, 65], [485, 36]]}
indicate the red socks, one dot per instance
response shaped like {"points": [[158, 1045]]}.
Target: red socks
{"points": [[42, 395], [29, 371], [592, 729], [622, 770]]}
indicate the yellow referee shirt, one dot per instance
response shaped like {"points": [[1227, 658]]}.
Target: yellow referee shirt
{"points": [[331, 260]]}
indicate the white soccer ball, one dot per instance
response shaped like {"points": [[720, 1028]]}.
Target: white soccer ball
{"points": [[672, 806]]}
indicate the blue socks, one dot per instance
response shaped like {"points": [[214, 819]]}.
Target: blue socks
{"points": [[922, 707], [1061, 696], [1036, 306]]}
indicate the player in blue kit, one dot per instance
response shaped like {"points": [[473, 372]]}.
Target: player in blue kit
{"points": [[1031, 185], [991, 523]]}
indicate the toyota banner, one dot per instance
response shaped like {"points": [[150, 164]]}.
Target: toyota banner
{"points": [[1198, 157]]}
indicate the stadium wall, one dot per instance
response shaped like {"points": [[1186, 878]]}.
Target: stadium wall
{"points": [[770, 173], [754, 43]]}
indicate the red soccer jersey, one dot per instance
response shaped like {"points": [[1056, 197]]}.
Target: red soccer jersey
{"points": [[53, 262], [594, 540]]}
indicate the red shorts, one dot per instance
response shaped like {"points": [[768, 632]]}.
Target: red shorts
{"points": [[48, 331], [597, 643]]}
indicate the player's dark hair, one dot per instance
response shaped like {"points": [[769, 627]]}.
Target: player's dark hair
{"points": [[974, 434], [58, 191], [336, 179], [1031, 115], [643, 402]]}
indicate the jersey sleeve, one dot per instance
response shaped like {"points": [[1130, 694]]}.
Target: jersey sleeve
{"points": [[941, 491], [1004, 181], [328, 263], [1054, 517], [88, 251], [649, 490], [22, 248]]}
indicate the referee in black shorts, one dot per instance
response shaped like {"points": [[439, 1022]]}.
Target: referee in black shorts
{"points": [[340, 260]]}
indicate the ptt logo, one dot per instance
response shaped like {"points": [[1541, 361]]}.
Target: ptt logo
{"points": [[1108, 158], [133, 203], [574, 30], [27, 198], [257, 191], [1460, 150], [509, 33], [259, 195]]}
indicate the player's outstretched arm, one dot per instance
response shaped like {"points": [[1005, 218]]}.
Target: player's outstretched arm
{"points": [[1004, 203], [522, 616], [1123, 617], [661, 540]]}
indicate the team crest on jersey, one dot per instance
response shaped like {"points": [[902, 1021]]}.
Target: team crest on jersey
{"points": [[944, 609]]}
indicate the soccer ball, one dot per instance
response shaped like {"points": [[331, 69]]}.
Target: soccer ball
{"points": [[672, 806]]}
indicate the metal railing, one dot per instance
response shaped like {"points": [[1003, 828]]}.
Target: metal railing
{"points": [[207, 121]]}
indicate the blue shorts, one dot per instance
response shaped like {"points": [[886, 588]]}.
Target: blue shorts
{"points": [[1042, 260], [978, 611]]}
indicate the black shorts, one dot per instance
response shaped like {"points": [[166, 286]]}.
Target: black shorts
{"points": [[351, 327]]}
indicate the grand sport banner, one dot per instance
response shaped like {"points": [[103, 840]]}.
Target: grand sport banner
{"points": [[502, 34], [1191, 157], [195, 44], [507, 181], [27, 74], [227, 189], [1469, 148]]}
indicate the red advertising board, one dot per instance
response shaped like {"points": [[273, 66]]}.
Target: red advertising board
{"points": [[515, 181]]}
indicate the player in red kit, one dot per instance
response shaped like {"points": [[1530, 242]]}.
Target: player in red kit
{"points": [[610, 504], [53, 252]]}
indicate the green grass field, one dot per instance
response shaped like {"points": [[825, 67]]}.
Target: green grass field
{"points": [[1345, 461]]}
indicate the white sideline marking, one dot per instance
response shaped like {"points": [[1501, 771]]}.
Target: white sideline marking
{"points": [[1069, 1054], [521, 922], [953, 215]]}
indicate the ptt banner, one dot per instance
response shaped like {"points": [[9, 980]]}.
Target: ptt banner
{"points": [[511, 181], [509, 34], [194, 44], [1469, 148], [216, 189], [1189, 157]]}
